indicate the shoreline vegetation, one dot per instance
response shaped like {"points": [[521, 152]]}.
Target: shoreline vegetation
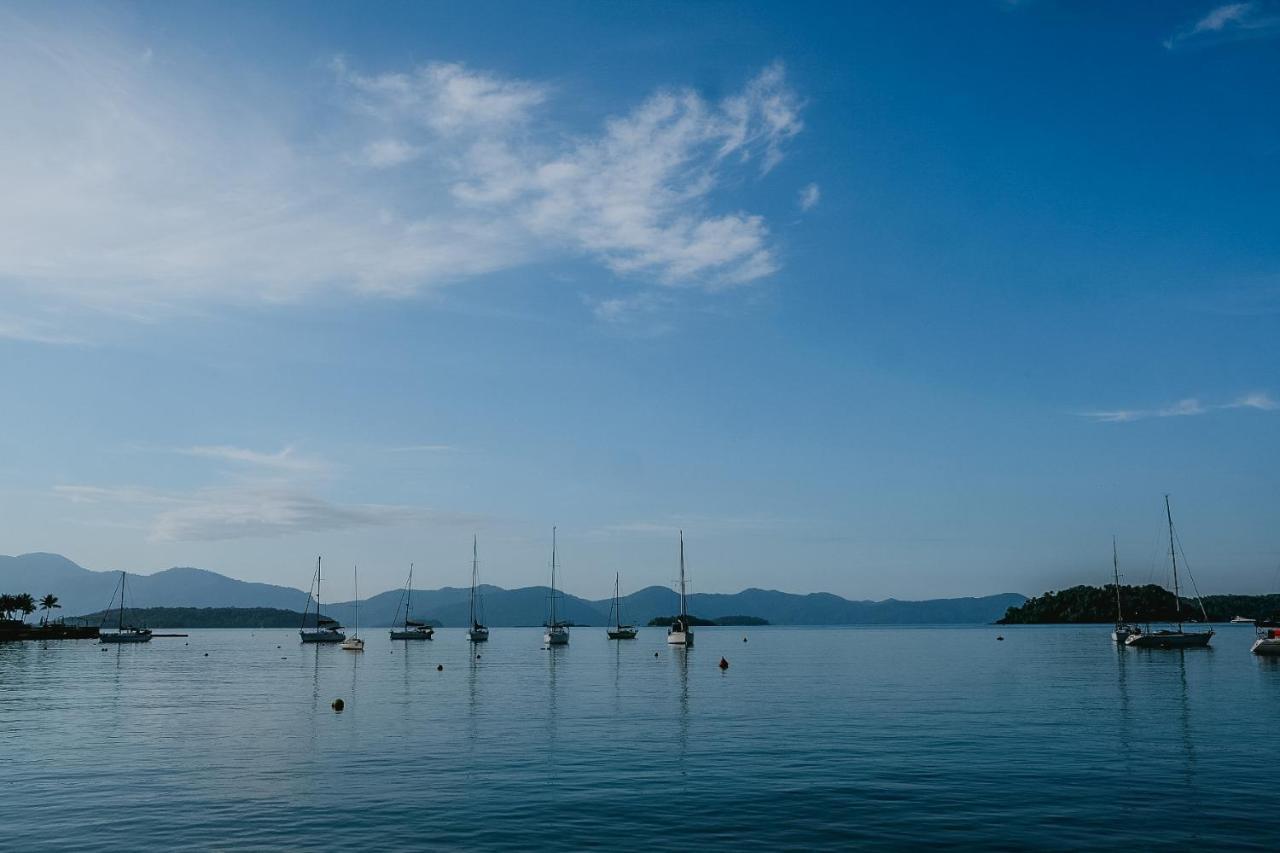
{"points": [[697, 622], [1148, 603]]}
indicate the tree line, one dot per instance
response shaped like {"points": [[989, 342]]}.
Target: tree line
{"points": [[1148, 603], [24, 604]]}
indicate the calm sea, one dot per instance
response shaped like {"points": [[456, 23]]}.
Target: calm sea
{"points": [[831, 737]]}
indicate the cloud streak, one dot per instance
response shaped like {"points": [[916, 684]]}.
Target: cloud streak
{"points": [[1229, 22], [1188, 407], [250, 512], [141, 194]]}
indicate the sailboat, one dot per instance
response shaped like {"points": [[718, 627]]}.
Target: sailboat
{"points": [[123, 633], [1268, 631], [557, 632], [681, 632], [619, 631], [477, 633], [355, 644], [1178, 639], [1123, 630], [326, 630], [410, 629]]}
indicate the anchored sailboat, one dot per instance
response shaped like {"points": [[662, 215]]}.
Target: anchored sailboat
{"points": [[478, 632], [1123, 630], [410, 629], [681, 632], [326, 630], [557, 632], [355, 644], [619, 631], [1178, 639], [123, 633]]}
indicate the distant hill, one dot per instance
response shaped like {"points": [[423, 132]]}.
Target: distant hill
{"points": [[206, 617], [1148, 603], [82, 591]]}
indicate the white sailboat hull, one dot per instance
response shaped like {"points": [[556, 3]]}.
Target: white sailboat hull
{"points": [[1123, 632], [680, 638], [355, 644], [556, 637], [478, 635]]}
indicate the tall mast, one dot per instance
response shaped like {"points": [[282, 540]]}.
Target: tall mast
{"points": [[617, 598], [355, 574], [317, 593], [553, 578], [122, 582], [682, 607], [474, 575], [1115, 567], [1173, 555], [408, 601]]}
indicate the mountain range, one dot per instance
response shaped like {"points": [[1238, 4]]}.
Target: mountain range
{"points": [[82, 590]]}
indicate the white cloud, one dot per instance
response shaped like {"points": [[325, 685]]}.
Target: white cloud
{"points": [[139, 193], [384, 153], [283, 460], [1230, 21], [809, 197], [1183, 408], [253, 511], [446, 97], [1257, 400]]}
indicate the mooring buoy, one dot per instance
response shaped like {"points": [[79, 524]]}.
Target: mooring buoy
{"points": [[338, 705], [439, 667], [724, 664]]}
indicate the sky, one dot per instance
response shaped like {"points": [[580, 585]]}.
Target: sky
{"points": [[884, 300]]}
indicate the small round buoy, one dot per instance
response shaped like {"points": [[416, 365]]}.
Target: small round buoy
{"points": [[439, 667], [338, 705], [477, 657], [724, 664], [744, 639], [277, 647], [206, 654], [999, 638], [282, 657], [655, 654]]}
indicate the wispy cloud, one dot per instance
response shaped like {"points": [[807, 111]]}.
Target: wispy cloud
{"points": [[1183, 408], [809, 197], [282, 460], [1229, 22], [214, 514], [424, 448], [182, 193]]}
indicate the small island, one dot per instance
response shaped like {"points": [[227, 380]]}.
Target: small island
{"points": [[665, 621], [1148, 603]]}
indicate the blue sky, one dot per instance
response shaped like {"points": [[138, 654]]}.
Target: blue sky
{"points": [[883, 300]]}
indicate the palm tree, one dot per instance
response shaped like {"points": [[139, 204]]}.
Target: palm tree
{"points": [[48, 604], [24, 603], [8, 604]]}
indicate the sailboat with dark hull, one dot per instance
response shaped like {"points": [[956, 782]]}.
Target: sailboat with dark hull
{"points": [[410, 628], [1177, 639], [557, 631], [681, 631], [123, 633], [619, 631], [478, 632], [325, 630]]}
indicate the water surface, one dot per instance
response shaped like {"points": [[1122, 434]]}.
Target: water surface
{"points": [[814, 737]]}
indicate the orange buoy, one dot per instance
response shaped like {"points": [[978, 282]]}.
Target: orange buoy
{"points": [[724, 664]]}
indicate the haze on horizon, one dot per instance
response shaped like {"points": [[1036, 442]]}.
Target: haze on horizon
{"points": [[884, 304]]}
